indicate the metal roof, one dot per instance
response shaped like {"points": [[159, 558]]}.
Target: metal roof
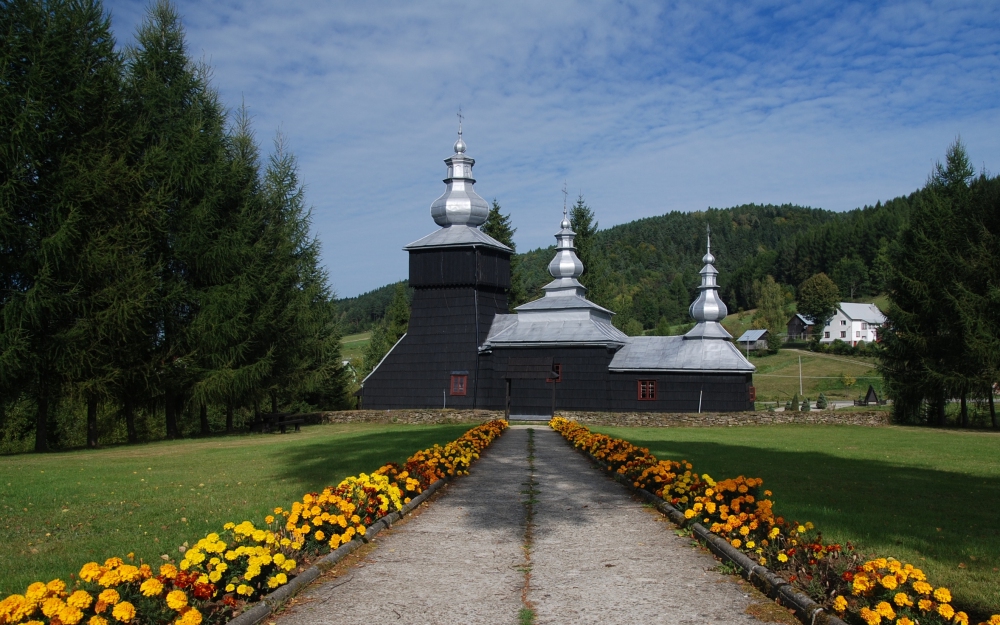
{"points": [[805, 320], [675, 354], [549, 330], [751, 335], [862, 312], [457, 235], [709, 309]]}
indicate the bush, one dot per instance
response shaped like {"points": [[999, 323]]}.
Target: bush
{"points": [[821, 403], [805, 406]]}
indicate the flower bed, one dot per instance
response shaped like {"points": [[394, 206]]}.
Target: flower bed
{"points": [[224, 571], [837, 577]]}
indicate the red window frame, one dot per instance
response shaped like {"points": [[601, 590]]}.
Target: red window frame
{"points": [[646, 390], [557, 369], [459, 384]]}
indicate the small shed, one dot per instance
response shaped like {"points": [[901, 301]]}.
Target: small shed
{"points": [[800, 327], [753, 340]]}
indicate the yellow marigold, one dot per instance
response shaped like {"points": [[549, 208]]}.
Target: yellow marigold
{"points": [[230, 587], [168, 570], [860, 585], [736, 542], [56, 586], [243, 589], [215, 576], [922, 587], [129, 573], [70, 615], [870, 616], [90, 571], [946, 610], [109, 596], [942, 594], [15, 608], [889, 581], [925, 604], [885, 610], [782, 557], [97, 620], [51, 606], [80, 599], [961, 618], [176, 599], [319, 535], [751, 544], [994, 620], [902, 600], [840, 604], [904, 621], [124, 612], [152, 587], [190, 616], [689, 514], [36, 592]]}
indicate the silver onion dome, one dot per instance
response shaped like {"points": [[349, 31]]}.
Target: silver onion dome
{"points": [[708, 309], [460, 205], [565, 264]]}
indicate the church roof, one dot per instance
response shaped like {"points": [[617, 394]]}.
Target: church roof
{"points": [[552, 330], [457, 235], [675, 354]]}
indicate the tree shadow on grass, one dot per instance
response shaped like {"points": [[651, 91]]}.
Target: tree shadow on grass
{"points": [[912, 513], [327, 462]]}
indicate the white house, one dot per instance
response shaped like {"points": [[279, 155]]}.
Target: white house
{"points": [[854, 323]]}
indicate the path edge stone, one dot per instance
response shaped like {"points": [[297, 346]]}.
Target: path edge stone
{"points": [[806, 610], [270, 602]]}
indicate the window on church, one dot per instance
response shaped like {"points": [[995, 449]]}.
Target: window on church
{"points": [[647, 390], [557, 370], [459, 384]]}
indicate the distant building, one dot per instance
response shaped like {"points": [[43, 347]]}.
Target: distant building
{"points": [[800, 328], [854, 323], [753, 340], [464, 350]]}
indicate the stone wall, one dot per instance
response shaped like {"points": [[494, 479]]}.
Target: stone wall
{"points": [[411, 416], [630, 419], [727, 419]]}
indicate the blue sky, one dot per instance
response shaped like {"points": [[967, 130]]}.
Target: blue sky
{"points": [[644, 107]]}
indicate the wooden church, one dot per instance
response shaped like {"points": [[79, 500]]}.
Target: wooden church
{"points": [[464, 349]]}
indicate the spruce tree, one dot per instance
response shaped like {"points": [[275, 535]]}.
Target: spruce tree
{"points": [[498, 226], [389, 330], [60, 94], [581, 219], [179, 148]]}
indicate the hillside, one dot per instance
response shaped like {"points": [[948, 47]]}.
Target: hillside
{"points": [[647, 270]]}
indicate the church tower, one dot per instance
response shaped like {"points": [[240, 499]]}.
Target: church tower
{"points": [[460, 278]]}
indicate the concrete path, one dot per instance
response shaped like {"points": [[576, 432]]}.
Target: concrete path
{"points": [[597, 555]]}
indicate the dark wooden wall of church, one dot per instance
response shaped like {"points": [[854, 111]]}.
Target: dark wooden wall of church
{"points": [[679, 392], [584, 384], [457, 292]]}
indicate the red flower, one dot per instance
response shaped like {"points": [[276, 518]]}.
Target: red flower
{"points": [[848, 576]]}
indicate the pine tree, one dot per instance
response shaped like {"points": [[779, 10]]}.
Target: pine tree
{"points": [[179, 148], [581, 219], [498, 226], [389, 330], [60, 94]]}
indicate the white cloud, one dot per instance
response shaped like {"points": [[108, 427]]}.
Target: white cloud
{"points": [[645, 108]]}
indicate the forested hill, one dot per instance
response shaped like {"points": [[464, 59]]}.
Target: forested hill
{"points": [[647, 270]]}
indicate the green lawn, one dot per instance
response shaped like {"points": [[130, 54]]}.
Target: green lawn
{"points": [[58, 511], [925, 496], [777, 376]]}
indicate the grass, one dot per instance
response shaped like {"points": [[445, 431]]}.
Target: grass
{"points": [[777, 375], [352, 346], [59, 511], [925, 496]]}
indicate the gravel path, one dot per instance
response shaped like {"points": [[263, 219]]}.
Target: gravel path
{"points": [[600, 557], [457, 562], [597, 555]]}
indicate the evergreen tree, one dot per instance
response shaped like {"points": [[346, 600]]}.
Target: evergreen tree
{"points": [[925, 353], [851, 277], [179, 148], [818, 297], [498, 226], [60, 96], [581, 219], [388, 331]]}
